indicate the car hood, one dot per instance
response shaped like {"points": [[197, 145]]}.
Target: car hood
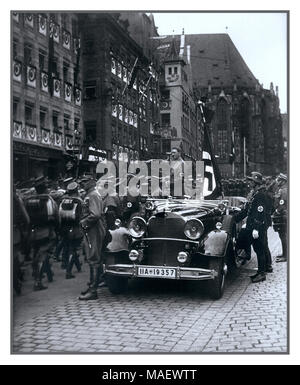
{"points": [[185, 207]]}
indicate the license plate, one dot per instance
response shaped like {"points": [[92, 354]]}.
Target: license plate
{"points": [[156, 272]]}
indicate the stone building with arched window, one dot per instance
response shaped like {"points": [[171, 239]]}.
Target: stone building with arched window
{"points": [[246, 116]]}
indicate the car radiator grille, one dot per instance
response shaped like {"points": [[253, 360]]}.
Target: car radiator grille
{"points": [[164, 252]]}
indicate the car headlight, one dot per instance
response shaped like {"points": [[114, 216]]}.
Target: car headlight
{"points": [[150, 206], [182, 256], [129, 205], [193, 229], [133, 255], [137, 227]]}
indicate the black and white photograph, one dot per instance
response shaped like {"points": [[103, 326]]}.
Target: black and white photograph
{"points": [[149, 182]]}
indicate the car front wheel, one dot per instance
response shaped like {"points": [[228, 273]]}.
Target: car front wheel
{"points": [[216, 286], [116, 285]]}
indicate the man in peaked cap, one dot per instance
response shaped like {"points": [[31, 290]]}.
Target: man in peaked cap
{"points": [[280, 214], [257, 212], [40, 183], [70, 211], [67, 181], [42, 211], [94, 229]]}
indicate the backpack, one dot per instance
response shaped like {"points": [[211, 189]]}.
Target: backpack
{"points": [[41, 209], [70, 211]]}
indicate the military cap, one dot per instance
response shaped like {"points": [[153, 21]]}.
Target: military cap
{"points": [[68, 180], [41, 180], [256, 177], [72, 186], [85, 178], [282, 177], [88, 183]]}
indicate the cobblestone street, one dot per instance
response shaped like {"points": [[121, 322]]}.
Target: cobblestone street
{"points": [[156, 316]]}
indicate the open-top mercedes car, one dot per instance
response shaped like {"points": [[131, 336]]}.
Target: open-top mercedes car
{"points": [[177, 239]]}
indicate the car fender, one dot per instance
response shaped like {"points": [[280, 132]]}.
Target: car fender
{"points": [[215, 243]]}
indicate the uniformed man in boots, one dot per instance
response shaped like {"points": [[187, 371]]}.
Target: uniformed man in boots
{"points": [[280, 214], [42, 211], [70, 213], [21, 222], [60, 243], [94, 229], [257, 223]]}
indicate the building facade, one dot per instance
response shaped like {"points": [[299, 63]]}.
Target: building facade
{"points": [[245, 124], [179, 112], [89, 86], [119, 115], [46, 93]]}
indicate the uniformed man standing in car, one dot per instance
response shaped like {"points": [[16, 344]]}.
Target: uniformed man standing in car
{"points": [[257, 223], [94, 228], [280, 214]]}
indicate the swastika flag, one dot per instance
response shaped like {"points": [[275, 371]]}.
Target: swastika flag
{"points": [[212, 188]]}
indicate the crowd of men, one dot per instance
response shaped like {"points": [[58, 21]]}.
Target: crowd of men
{"points": [[69, 218], [267, 204]]}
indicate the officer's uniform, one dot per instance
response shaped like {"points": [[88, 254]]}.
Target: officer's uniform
{"points": [[256, 225], [70, 230], [60, 244], [280, 215], [42, 237], [21, 223], [94, 228], [57, 194]]}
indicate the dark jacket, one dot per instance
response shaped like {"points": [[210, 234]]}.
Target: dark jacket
{"points": [[257, 211]]}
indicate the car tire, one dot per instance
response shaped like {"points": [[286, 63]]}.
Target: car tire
{"points": [[216, 286], [116, 285]]}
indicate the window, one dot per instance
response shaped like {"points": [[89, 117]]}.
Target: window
{"points": [[53, 17], [88, 46], [43, 118], [55, 117], [175, 70], [42, 59], [165, 94], [165, 119], [27, 54], [64, 20], [222, 134], [166, 146], [55, 66], [66, 71], [66, 122], [90, 91], [15, 48], [76, 126], [15, 109], [28, 113], [74, 27], [90, 131], [170, 70]]}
